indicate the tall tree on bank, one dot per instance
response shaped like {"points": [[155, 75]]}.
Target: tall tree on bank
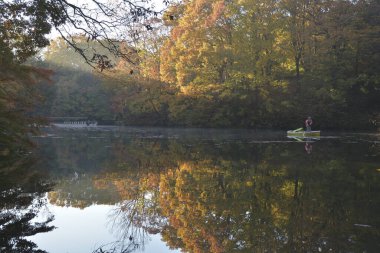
{"points": [[199, 51]]}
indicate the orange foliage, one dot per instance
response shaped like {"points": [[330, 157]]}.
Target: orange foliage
{"points": [[218, 9]]}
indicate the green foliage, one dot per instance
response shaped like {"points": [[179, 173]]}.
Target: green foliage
{"points": [[24, 25], [76, 91]]}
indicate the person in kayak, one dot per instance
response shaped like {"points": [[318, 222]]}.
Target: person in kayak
{"points": [[308, 123]]}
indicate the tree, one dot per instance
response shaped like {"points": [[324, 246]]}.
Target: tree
{"points": [[198, 51], [261, 63], [18, 95], [24, 25]]}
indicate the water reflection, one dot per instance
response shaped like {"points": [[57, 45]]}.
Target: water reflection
{"points": [[221, 193], [22, 191], [308, 142]]}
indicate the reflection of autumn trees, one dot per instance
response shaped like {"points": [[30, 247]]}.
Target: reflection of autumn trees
{"points": [[204, 198], [216, 210], [211, 195]]}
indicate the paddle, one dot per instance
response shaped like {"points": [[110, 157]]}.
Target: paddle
{"points": [[298, 129]]}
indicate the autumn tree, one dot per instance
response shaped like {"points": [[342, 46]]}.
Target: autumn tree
{"points": [[262, 63]]}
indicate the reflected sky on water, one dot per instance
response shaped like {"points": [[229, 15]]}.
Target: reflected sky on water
{"points": [[85, 230]]}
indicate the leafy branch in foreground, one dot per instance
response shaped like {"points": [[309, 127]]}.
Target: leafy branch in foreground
{"points": [[25, 24]]}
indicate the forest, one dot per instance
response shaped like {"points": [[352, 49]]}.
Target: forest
{"points": [[202, 63], [235, 65]]}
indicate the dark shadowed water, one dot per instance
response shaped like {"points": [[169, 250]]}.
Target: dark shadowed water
{"points": [[157, 190]]}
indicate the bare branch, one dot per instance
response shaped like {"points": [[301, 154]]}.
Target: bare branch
{"points": [[106, 24]]}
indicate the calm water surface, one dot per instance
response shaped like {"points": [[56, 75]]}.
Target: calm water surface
{"points": [[111, 189]]}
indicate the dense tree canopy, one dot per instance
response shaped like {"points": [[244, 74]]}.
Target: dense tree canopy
{"points": [[259, 64], [278, 60], [210, 63]]}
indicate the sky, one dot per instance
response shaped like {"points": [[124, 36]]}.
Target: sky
{"points": [[156, 5]]}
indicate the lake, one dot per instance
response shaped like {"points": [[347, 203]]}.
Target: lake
{"points": [[113, 189]]}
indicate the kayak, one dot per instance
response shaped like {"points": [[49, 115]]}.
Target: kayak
{"points": [[303, 133], [304, 138]]}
